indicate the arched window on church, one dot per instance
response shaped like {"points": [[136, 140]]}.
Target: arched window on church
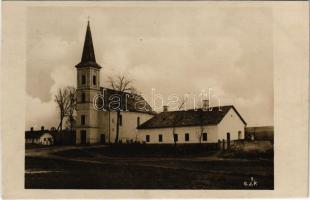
{"points": [[83, 79], [83, 119], [138, 121], [83, 97]]}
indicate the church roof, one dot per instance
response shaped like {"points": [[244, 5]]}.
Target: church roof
{"points": [[88, 56], [192, 117], [129, 102]]}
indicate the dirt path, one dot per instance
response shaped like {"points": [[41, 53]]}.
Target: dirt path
{"points": [[153, 162], [51, 151]]}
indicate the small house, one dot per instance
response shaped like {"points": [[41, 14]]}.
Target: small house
{"points": [[43, 137]]}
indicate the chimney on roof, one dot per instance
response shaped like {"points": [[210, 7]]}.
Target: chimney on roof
{"points": [[165, 108], [42, 128], [205, 104], [31, 128]]}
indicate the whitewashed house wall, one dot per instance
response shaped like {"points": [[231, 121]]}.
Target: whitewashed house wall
{"points": [[46, 139], [128, 129], [167, 133], [232, 124]]}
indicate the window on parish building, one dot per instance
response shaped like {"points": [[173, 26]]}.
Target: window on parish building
{"points": [[160, 138], [147, 138], [205, 136], [186, 136], [94, 80], [83, 79], [175, 137], [83, 97], [120, 120], [83, 119], [239, 135]]}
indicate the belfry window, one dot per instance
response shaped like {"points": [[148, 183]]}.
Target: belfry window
{"points": [[94, 80], [83, 79]]}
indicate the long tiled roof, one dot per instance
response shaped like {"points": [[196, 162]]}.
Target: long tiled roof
{"points": [[188, 118]]}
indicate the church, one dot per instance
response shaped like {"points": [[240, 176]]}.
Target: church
{"points": [[135, 121]]}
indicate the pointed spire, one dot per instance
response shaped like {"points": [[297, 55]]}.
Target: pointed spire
{"points": [[88, 56], [88, 50]]}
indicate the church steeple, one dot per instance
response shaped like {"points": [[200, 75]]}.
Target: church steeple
{"points": [[88, 56]]}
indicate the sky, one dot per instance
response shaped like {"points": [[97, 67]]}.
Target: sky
{"points": [[173, 50]]}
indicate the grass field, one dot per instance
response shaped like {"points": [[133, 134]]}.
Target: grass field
{"points": [[90, 168]]}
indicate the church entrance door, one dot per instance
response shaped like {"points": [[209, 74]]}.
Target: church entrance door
{"points": [[102, 138], [83, 137]]}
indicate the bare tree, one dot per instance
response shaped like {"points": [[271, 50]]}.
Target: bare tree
{"points": [[120, 84], [61, 98], [66, 103], [71, 114]]}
